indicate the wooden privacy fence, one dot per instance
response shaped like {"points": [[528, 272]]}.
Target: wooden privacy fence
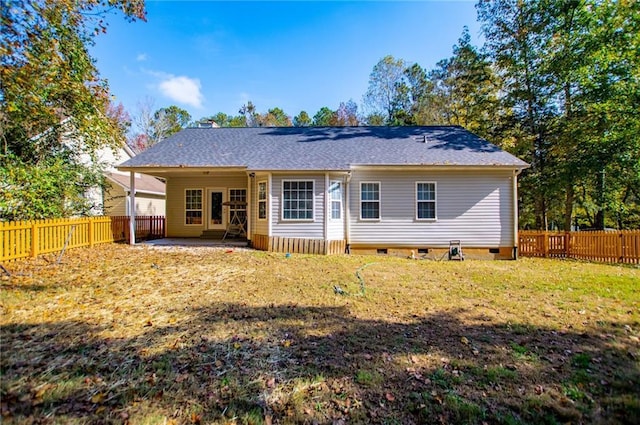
{"points": [[20, 239], [602, 246]]}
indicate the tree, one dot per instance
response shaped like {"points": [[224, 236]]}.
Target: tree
{"points": [[347, 114], [274, 117], [420, 90], [302, 119], [153, 127], [385, 82], [51, 93], [571, 88], [250, 114], [464, 89], [516, 32], [325, 117], [221, 119]]}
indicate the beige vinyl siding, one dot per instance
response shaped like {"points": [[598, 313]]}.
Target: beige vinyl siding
{"points": [[176, 187], [147, 204], [116, 201], [312, 229], [473, 206]]}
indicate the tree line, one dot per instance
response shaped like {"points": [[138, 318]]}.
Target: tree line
{"points": [[556, 83]]}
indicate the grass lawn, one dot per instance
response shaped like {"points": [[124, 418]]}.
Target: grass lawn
{"points": [[143, 335]]}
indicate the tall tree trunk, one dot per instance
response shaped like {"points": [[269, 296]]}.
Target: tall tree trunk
{"points": [[599, 224], [568, 206]]}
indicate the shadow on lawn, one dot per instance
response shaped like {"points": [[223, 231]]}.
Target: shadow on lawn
{"points": [[295, 364]]}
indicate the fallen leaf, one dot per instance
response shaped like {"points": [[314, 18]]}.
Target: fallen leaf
{"points": [[464, 340], [97, 398], [389, 397]]}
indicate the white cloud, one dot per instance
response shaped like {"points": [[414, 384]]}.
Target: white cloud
{"points": [[182, 89], [141, 57]]}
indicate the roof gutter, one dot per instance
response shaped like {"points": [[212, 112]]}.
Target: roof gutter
{"points": [[399, 167], [160, 169]]}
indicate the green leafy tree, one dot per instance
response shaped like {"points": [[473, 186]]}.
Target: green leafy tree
{"points": [[420, 90], [325, 117], [385, 81], [54, 105], [571, 70], [152, 127], [375, 119], [464, 89], [516, 32], [238, 121], [302, 119], [274, 117], [221, 119]]}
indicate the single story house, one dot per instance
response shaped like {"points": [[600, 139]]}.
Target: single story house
{"points": [[327, 189]]}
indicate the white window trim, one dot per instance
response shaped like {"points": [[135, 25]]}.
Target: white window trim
{"points": [[202, 215], [265, 200], [331, 200], [379, 201], [313, 201], [435, 201]]}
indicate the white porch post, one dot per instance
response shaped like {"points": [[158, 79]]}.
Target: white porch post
{"points": [[132, 208], [249, 206], [515, 214]]}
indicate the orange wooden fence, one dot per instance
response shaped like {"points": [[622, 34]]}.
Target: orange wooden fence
{"points": [[601, 246], [20, 239]]}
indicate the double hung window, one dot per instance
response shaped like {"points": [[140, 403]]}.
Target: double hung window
{"points": [[370, 201], [425, 200], [193, 206], [297, 200]]}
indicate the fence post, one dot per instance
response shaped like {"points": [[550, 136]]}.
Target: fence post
{"points": [[91, 224], [619, 244], [34, 239], [567, 244], [545, 244]]}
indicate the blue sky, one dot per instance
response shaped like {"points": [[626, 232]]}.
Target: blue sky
{"points": [[214, 56]]}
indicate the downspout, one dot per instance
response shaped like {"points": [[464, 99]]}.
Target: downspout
{"points": [[516, 173], [132, 208], [347, 212], [269, 206], [250, 177], [327, 208]]}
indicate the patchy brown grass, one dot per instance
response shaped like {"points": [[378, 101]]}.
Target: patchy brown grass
{"points": [[145, 336]]}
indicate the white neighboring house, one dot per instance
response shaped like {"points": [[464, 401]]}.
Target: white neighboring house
{"points": [[114, 199]]}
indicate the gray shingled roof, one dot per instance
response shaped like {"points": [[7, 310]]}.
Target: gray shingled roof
{"points": [[144, 183], [322, 148]]}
